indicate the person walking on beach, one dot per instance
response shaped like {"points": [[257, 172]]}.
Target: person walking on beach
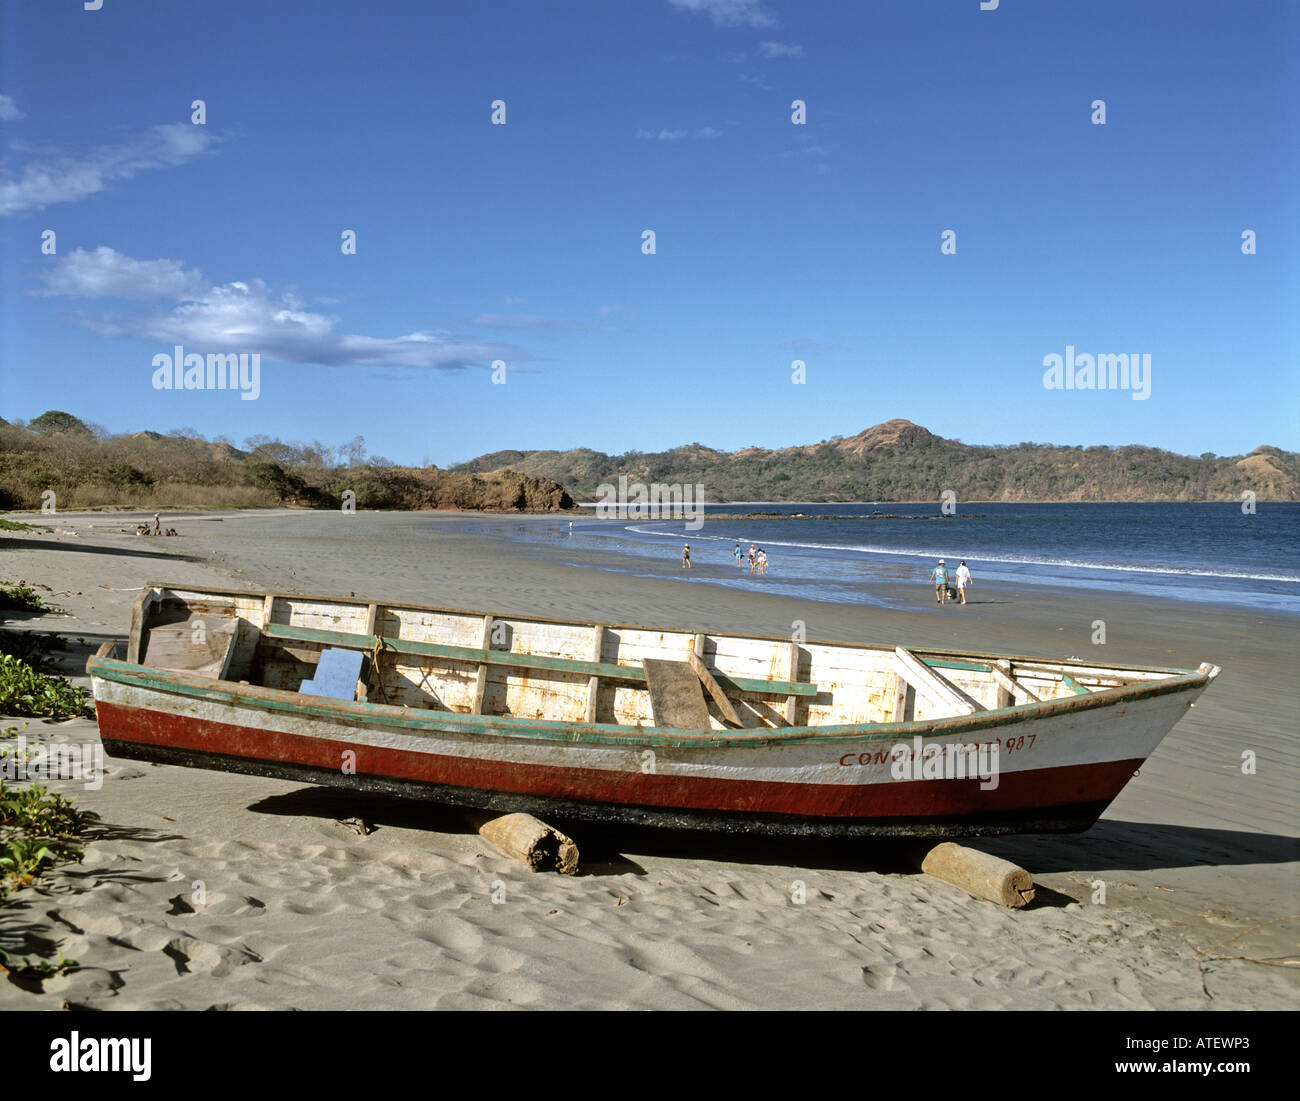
{"points": [[157, 524], [762, 560], [963, 579], [753, 558], [686, 557], [939, 578]]}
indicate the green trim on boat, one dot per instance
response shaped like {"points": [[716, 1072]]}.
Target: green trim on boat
{"points": [[413, 721], [974, 667], [475, 656]]}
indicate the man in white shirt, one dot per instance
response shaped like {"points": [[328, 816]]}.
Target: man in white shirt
{"points": [[963, 579]]}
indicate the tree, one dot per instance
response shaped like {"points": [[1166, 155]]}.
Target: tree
{"points": [[55, 420], [272, 477]]}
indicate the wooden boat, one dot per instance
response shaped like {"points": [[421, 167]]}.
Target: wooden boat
{"points": [[690, 729]]}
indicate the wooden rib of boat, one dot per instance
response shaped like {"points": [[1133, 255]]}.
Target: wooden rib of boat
{"points": [[691, 729]]}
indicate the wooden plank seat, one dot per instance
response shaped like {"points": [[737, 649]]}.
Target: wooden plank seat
{"points": [[472, 655]]}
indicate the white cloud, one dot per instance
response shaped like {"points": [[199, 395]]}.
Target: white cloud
{"points": [[524, 321], [106, 273], [661, 135], [9, 111], [677, 135], [605, 311], [247, 317], [780, 49], [729, 13], [65, 179], [802, 151]]}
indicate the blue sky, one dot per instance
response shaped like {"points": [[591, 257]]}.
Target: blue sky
{"points": [[774, 241]]}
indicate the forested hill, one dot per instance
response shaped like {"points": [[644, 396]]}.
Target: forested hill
{"points": [[60, 460], [901, 461]]}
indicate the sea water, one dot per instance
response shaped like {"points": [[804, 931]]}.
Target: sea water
{"points": [[1198, 552]]}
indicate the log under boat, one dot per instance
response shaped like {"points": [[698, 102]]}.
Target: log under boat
{"points": [[614, 722]]}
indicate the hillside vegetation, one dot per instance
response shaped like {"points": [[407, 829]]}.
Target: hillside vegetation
{"points": [[85, 467], [901, 461]]}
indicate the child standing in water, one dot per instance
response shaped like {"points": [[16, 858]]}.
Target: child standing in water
{"points": [[686, 557]]}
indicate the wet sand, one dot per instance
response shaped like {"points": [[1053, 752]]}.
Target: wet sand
{"points": [[209, 889]]}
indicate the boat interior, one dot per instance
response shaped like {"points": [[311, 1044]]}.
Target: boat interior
{"points": [[542, 669]]}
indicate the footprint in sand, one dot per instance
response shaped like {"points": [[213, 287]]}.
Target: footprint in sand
{"points": [[882, 976], [498, 961], [191, 955], [144, 937], [325, 906], [509, 989], [450, 932], [83, 921]]}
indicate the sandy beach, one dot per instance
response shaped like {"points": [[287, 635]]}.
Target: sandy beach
{"points": [[208, 889]]}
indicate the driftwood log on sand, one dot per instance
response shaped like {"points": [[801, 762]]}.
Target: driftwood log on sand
{"points": [[980, 874], [531, 841]]}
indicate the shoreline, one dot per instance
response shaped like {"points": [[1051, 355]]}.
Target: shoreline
{"points": [[1193, 852], [898, 595]]}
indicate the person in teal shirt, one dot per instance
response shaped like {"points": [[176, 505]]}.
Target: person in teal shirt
{"points": [[939, 577]]}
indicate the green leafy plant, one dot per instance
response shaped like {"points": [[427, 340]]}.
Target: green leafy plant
{"points": [[22, 597], [25, 691], [37, 830], [30, 976]]}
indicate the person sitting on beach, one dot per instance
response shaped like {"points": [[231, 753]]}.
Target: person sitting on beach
{"points": [[963, 579], [142, 529], [686, 557], [939, 578]]}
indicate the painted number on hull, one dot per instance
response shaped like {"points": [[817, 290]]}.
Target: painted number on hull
{"points": [[904, 752]]}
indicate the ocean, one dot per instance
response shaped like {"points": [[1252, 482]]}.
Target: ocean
{"points": [[1195, 552]]}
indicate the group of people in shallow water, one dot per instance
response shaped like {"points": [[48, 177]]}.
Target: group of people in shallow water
{"points": [[942, 587], [757, 558]]}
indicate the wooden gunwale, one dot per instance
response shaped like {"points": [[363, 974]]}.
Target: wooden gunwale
{"points": [[416, 721], [1033, 664]]}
